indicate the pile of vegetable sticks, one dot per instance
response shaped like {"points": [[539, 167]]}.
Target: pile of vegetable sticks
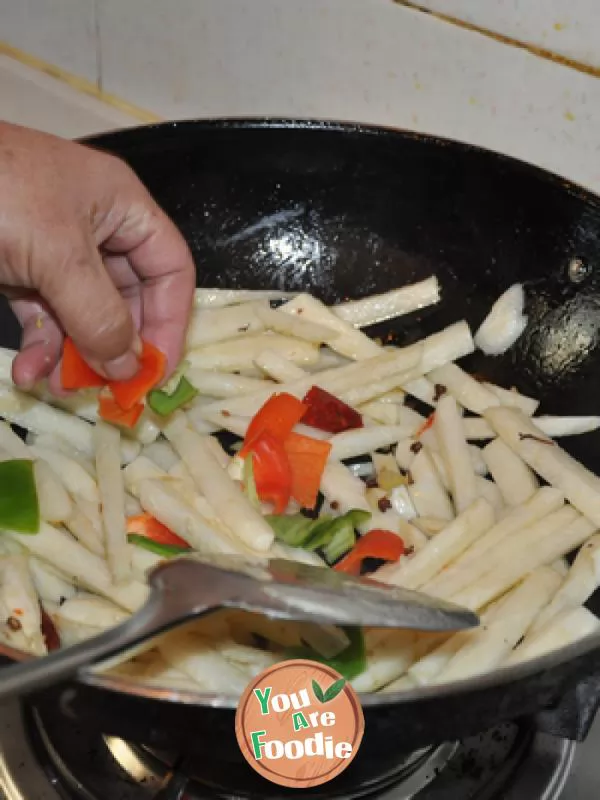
{"points": [[471, 500]]}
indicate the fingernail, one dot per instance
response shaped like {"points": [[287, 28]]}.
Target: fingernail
{"points": [[121, 368], [137, 345]]}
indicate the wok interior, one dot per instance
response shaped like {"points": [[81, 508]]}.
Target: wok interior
{"points": [[343, 212]]}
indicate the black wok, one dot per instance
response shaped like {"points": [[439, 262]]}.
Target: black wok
{"points": [[342, 211]]}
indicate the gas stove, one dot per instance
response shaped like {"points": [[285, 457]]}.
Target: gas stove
{"points": [[46, 759]]}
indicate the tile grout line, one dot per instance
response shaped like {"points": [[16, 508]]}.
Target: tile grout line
{"points": [[98, 43], [79, 84], [540, 52]]}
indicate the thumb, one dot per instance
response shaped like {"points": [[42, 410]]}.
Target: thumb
{"points": [[91, 310]]}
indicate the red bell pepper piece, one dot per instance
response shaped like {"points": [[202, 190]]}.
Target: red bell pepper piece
{"points": [[377, 543], [148, 526], [110, 411], [75, 373], [426, 425], [307, 458], [327, 413], [272, 471], [49, 632], [128, 394], [277, 416]]}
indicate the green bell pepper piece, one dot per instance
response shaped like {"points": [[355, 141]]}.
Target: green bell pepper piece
{"points": [[164, 404], [166, 550], [19, 506], [350, 663]]}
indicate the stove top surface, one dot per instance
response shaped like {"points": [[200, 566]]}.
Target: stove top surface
{"points": [[44, 759]]}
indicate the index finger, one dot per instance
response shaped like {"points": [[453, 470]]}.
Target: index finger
{"points": [[160, 257]]}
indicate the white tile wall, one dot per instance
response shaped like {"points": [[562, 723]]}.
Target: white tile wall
{"points": [[62, 32], [570, 28], [28, 97], [367, 60]]}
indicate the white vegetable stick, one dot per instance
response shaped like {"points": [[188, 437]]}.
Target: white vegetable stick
{"points": [[13, 444], [382, 413], [229, 356], [142, 561], [430, 526], [296, 326], [567, 627], [512, 398], [477, 428], [218, 298], [475, 561], [277, 367], [51, 443], [349, 342], [581, 581], [112, 498], [54, 502], [405, 454], [88, 532], [223, 384], [427, 491], [580, 486], [38, 417], [490, 492], [218, 451], [395, 303], [203, 424], [350, 444], [478, 464], [423, 389], [454, 449], [442, 549], [229, 504], [537, 547], [162, 454], [433, 661], [49, 584], [218, 324], [490, 645], [340, 486], [468, 392], [164, 503], [566, 426], [327, 360], [87, 609], [70, 558], [447, 345], [504, 324], [561, 566], [20, 600], [426, 669], [194, 655], [402, 684], [84, 404], [72, 475], [281, 550], [411, 536], [387, 661], [513, 478], [359, 395]]}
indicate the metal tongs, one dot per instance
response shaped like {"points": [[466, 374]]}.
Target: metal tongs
{"points": [[193, 586]]}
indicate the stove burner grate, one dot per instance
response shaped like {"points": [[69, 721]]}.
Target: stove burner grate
{"points": [[44, 758]]}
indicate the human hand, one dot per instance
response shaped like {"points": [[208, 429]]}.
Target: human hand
{"points": [[86, 252]]}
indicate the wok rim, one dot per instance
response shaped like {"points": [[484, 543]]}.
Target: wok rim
{"points": [[499, 677]]}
